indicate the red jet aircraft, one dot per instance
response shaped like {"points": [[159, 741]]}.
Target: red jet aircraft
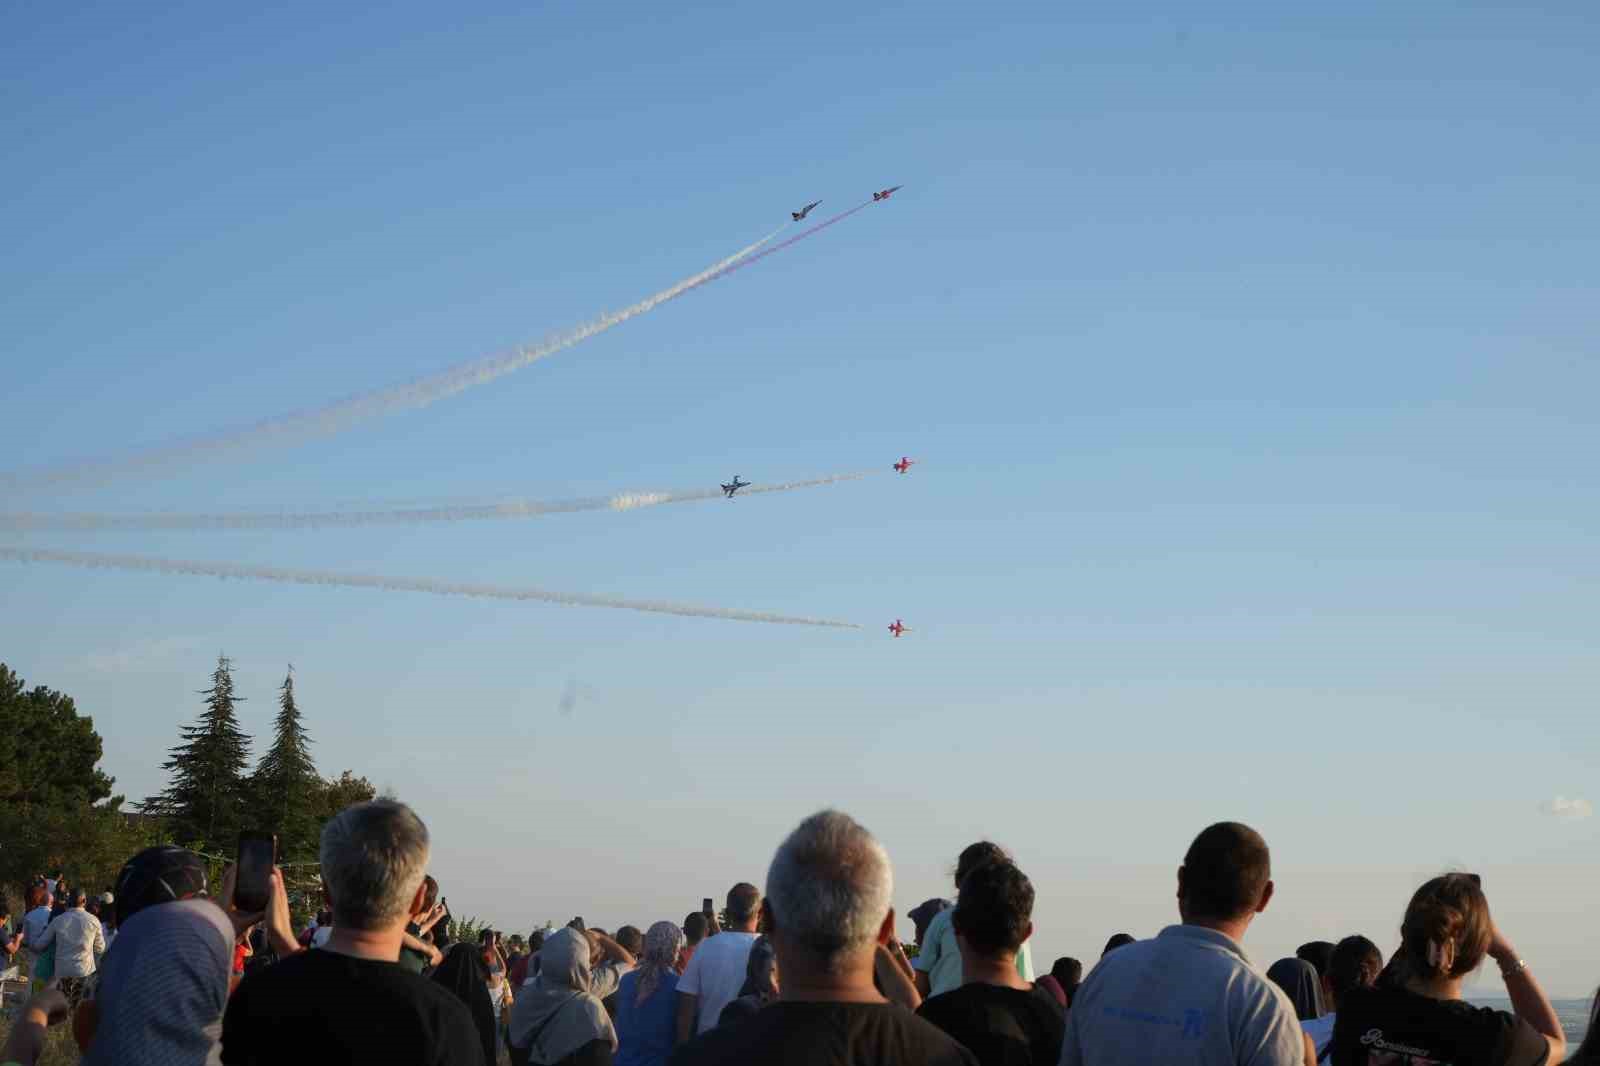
{"points": [[884, 195], [904, 464], [898, 628]]}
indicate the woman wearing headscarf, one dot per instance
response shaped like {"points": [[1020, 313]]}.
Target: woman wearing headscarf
{"points": [[557, 1021], [462, 972], [647, 1009], [760, 984], [161, 993], [1298, 979]]}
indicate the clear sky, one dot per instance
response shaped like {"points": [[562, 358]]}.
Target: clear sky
{"points": [[1250, 353]]}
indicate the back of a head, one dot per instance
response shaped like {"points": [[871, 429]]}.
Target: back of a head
{"points": [[1068, 973], [1225, 872], [631, 938], [744, 903], [994, 910], [1355, 963], [1317, 953], [1117, 940], [374, 855], [79, 897], [829, 889], [1299, 981], [162, 874], [973, 856], [694, 927], [536, 941], [1447, 927]]}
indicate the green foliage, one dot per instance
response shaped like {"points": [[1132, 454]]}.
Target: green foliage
{"points": [[57, 813], [205, 796], [285, 790], [466, 930], [47, 752], [340, 793]]}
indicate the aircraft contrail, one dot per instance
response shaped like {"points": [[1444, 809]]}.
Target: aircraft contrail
{"points": [[342, 414], [399, 584], [623, 501]]}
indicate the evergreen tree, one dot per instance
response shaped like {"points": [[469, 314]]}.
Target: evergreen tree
{"points": [[285, 789], [205, 793]]}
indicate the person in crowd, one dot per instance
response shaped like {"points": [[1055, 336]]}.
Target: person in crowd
{"points": [[10, 940], [938, 964], [760, 984], [420, 950], [1588, 1053], [161, 994], [694, 931], [558, 1020], [528, 965], [60, 899], [79, 943], [1354, 963], [647, 1000], [351, 1001], [495, 968], [35, 920], [998, 1016], [1068, 973], [1318, 953], [717, 971], [465, 975], [828, 908], [922, 916], [630, 937], [1117, 940], [1299, 981], [1446, 933], [1190, 994]]}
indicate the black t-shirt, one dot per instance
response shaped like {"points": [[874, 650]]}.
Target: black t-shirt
{"points": [[318, 1006], [1001, 1026], [1396, 1027], [825, 1034]]}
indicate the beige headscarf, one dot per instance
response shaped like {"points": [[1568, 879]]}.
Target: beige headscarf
{"points": [[556, 1014]]}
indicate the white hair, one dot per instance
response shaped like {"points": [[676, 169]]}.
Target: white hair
{"points": [[373, 857], [829, 887]]}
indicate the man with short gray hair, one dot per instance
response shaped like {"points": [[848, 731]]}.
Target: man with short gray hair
{"points": [[827, 911], [351, 1001]]}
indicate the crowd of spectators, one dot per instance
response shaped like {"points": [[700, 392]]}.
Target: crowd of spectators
{"points": [[158, 970]]}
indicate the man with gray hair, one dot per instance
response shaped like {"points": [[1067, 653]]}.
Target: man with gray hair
{"points": [[827, 911], [351, 1001]]}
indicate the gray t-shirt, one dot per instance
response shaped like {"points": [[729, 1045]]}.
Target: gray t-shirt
{"points": [[1188, 996]]}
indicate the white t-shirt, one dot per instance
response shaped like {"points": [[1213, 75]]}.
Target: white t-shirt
{"points": [[715, 974]]}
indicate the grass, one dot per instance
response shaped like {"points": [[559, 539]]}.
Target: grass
{"points": [[59, 1047]]}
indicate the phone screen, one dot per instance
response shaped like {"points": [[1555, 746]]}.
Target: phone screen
{"points": [[252, 885], [706, 907]]}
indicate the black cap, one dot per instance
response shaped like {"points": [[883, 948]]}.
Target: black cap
{"points": [[160, 874]]}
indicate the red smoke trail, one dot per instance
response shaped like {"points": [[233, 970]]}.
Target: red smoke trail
{"points": [[780, 246]]}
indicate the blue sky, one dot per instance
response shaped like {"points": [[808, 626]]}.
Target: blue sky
{"points": [[1250, 353]]}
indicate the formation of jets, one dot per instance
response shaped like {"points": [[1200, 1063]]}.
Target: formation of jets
{"points": [[905, 463]]}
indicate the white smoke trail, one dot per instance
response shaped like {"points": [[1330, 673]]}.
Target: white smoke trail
{"points": [[342, 414], [399, 584], [27, 522]]}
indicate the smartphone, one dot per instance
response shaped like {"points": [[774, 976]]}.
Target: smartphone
{"points": [[252, 873], [706, 907]]}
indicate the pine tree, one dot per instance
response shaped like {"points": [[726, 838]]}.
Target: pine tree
{"points": [[285, 790], [205, 793]]}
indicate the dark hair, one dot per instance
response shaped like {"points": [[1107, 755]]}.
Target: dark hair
{"points": [[1317, 953], [1118, 940], [79, 897], [1354, 963], [744, 900], [1446, 910], [1225, 871], [630, 937], [994, 909], [1588, 1053], [694, 927], [431, 895], [1068, 973], [975, 855]]}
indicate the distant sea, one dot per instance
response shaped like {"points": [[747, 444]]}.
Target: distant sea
{"points": [[1574, 1015]]}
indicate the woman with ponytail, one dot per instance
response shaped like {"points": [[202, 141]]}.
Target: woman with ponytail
{"points": [[1415, 1015]]}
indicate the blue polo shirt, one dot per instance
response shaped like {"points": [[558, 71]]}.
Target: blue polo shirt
{"points": [[1188, 996]]}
